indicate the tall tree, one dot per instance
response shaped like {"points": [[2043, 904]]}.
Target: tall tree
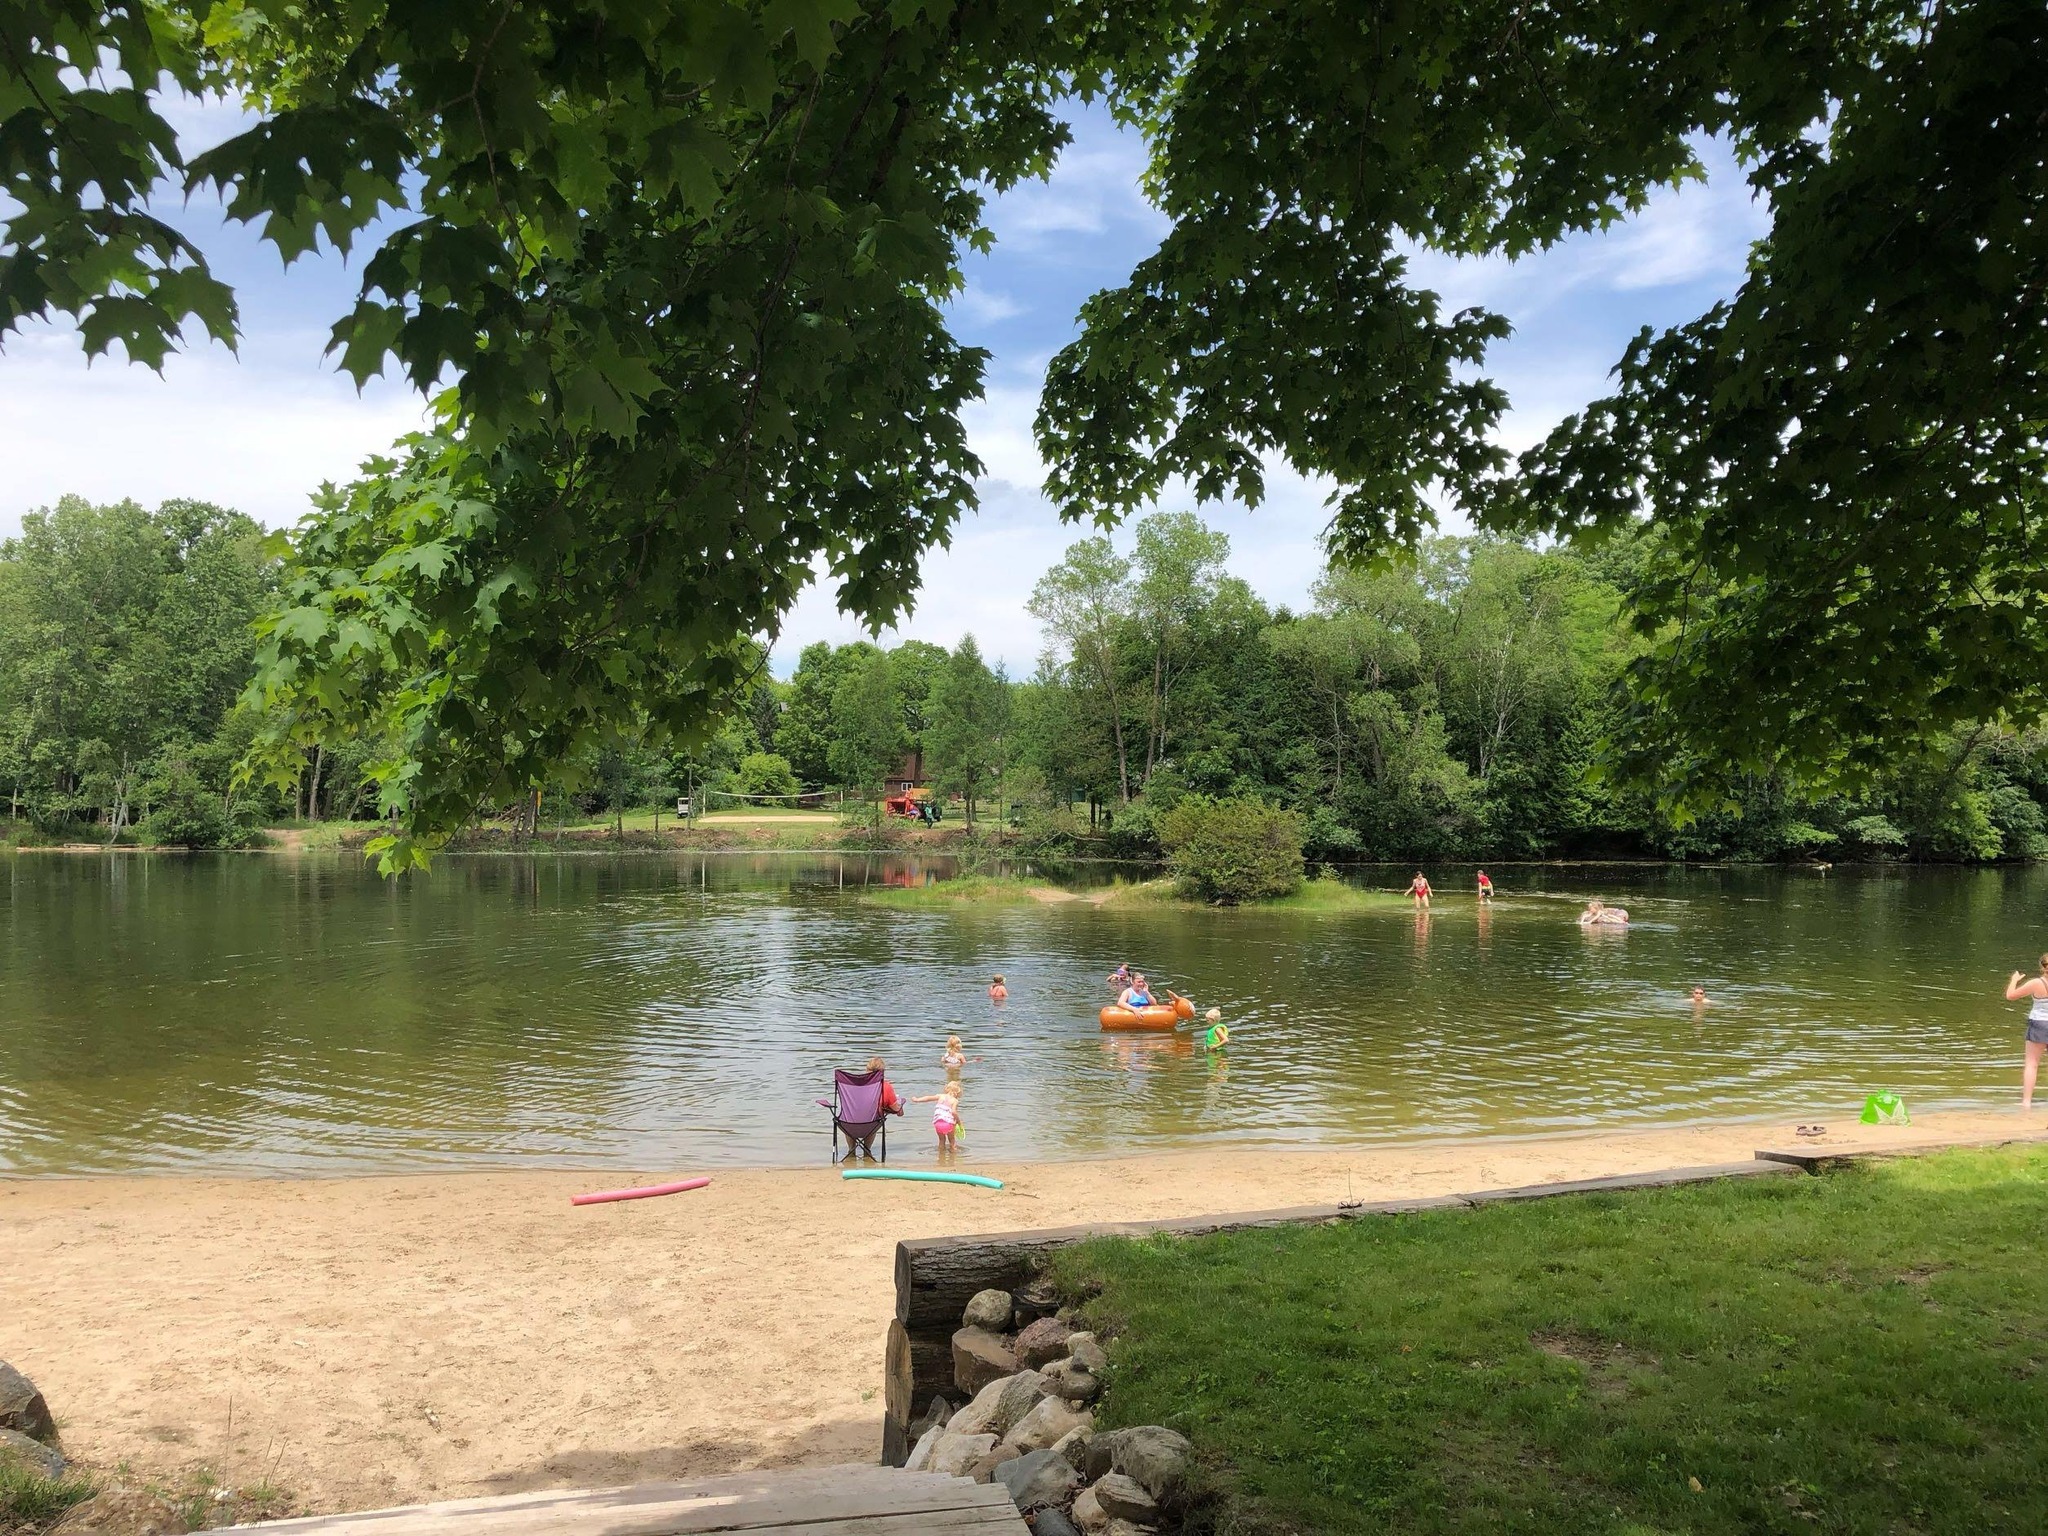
{"points": [[965, 744], [1084, 603], [1178, 563], [867, 725]]}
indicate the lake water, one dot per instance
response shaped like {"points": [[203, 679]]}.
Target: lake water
{"points": [[268, 1013]]}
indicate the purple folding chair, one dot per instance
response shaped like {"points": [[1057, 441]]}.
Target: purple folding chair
{"points": [[858, 1115]]}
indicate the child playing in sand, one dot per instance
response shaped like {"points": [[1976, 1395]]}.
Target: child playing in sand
{"points": [[997, 992], [954, 1059], [946, 1117]]}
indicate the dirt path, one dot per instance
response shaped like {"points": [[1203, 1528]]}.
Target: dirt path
{"points": [[390, 1339]]}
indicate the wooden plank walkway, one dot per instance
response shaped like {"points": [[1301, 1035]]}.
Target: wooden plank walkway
{"points": [[804, 1501]]}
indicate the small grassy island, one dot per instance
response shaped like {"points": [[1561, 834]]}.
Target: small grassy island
{"points": [[1321, 895], [1858, 1351]]}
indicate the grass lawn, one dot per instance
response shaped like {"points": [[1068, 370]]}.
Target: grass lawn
{"points": [[1863, 1351]]}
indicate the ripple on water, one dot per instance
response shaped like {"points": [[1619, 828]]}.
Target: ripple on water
{"points": [[281, 1015]]}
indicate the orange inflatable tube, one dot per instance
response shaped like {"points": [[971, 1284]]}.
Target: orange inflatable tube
{"points": [[1155, 1016]]}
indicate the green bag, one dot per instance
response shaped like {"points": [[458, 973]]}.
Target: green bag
{"points": [[1885, 1109]]}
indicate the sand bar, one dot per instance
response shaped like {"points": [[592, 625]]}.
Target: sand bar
{"points": [[384, 1340]]}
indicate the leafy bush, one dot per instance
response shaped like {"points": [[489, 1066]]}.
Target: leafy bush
{"points": [[1876, 836], [1231, 851], [189, 815], [765, 773], [1051, 832], [1133, 831]]}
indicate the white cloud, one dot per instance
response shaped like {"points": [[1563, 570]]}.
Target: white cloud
{"points": [[258, 435], [984, 306], [1093, 190]]}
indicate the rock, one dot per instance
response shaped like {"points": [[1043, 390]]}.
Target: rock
{"points": [[974, 1418], [1073, 1445], [980, 1357], [1089, 1513], [1021, 1393], [1124, 1498], [984, 1470], [1040, 1480], [920, 1457], [939, 1412], [1156, 1459], [1050, 1522], [17, 1448], [1087, 1353], [955, 1454], [1049, 1421], [121, 1509], [1043, 1342], [989, 1310], [1033, 1301], [1066, 1379], [22, 1408], [1129, 1528]]}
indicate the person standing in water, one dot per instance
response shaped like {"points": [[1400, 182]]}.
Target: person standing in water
{"points": [[1485, 886], [2019, 986], [1419, 889]]}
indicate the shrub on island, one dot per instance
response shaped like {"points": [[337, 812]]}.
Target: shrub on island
{"points": [[1230, 851]]}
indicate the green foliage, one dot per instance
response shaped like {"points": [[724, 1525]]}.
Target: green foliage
{"points": [[867, 715], [678, 275], [1232, 851], [966, 739], [186, 813], [1851, 1352], [765, 773], [124, 639]]}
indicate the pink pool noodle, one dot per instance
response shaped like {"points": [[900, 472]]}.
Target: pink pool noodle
{"points": [[638, 1194]]}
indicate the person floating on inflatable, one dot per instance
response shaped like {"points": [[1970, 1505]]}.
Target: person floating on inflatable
{"points": [[1137, 994], [1218, 1034], [1599, 915]]}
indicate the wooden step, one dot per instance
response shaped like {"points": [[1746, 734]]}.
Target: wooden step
{"points": [[806, 1501]]}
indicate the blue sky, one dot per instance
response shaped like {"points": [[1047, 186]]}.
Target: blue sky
{"points": [[260, 429]]}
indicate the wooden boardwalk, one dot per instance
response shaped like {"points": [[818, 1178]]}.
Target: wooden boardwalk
{"points": [[807, 1501]]}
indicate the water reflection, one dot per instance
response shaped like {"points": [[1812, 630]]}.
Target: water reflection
{"points": [[260, 1013]]}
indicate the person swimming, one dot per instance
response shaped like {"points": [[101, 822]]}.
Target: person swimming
{"points": [[1137, 994], [997, 991], [1121, 976]]}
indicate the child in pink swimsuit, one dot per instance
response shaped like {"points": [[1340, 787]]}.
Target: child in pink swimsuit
{"points": [[946, 1117]]}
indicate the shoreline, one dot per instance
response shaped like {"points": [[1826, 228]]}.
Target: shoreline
{"points": [[1399, 1142], [366, 1340]]}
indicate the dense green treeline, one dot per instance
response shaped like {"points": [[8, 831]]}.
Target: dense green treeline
{"points": [[125, 639], [1450, 708], [1453, 707]]}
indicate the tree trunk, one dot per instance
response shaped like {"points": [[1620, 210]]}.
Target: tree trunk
{"points": [[313, 788]]}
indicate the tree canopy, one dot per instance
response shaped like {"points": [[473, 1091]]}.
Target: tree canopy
{"points": [[677, 276]]}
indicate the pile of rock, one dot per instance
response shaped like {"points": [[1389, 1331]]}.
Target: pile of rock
{"points": [[28, 1435], [1030, 1378]]}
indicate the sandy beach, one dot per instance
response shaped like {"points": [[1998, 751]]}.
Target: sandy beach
{"points": [[371, 1341]]}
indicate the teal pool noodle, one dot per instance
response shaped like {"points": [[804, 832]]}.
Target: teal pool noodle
{"points": [[921, 1178]]}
